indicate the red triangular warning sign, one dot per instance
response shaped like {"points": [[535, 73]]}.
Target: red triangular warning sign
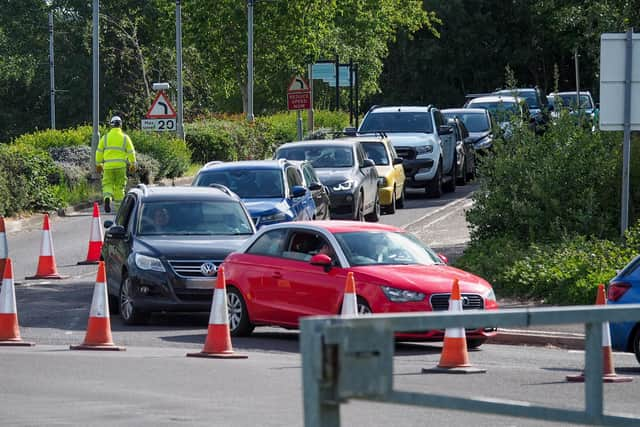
{"points": [[298, 84], [161, 108]]}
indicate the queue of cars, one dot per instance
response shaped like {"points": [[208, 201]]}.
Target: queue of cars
{"points": [[275, 226]]}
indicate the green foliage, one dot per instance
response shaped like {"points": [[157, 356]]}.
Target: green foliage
{"points": [[537, 189], [489, 258], [236, 139], [32, 173], [172, 153], [52, 138], [565, 272]]}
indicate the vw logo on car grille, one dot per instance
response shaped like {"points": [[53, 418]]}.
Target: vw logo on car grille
{"points": [[465, 301], [208, 269]]}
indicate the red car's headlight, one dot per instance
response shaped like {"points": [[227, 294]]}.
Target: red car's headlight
{"points": [[401, 295]]}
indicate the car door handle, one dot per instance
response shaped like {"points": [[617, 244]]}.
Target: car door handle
{"points": [[277, 275]]}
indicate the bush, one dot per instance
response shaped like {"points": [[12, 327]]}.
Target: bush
{"points": [[565, 272], [52, 138], [231, 139], [33, 174], [227, 140], [537, 189], [172, 154]]}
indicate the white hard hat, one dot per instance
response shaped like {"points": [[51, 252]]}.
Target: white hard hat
{"points": [[115, 120]]}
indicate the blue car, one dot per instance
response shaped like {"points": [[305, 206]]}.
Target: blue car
{"points": [[624, 288], [272, 190]]}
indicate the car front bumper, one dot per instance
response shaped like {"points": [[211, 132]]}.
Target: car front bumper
{"points": [[343, 205], [419, 171]]}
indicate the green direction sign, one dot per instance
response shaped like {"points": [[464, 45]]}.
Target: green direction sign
{"points": [[326, 71]]}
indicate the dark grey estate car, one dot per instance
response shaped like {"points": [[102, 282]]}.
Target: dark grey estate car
{"points": [[165, 247], [344, 169]]}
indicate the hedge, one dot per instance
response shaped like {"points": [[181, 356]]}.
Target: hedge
{"points": [[233, 138], [33, 177]]}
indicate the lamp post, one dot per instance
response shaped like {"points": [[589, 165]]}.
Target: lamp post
{"points": [[52, 80], [180, 124], [96, 82], [250, 116]]}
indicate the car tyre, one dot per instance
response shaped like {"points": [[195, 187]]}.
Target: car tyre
{"points": [[359, 213], [450, 185], [375, 215], [473, 343], [239, 323], [128, 312], [363, 307], [391, 209], [636, 344], [462, 180], [434, 186], [114, 305], [472, 174], [400, 201]]}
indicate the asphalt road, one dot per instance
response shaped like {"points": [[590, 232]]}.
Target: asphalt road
{"points": [[152, 383], [151, 386]]}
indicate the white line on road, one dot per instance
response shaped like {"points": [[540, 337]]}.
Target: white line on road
{"points": [[437, 211]]}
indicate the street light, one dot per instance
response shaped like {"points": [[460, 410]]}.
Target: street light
{"points": [[96, 82], [250, 4], [52, 80]]}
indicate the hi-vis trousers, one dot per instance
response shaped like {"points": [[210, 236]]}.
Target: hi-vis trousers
{"points": [[114, 182]]}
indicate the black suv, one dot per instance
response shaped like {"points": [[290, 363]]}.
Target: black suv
{"points": [[163, 251]]}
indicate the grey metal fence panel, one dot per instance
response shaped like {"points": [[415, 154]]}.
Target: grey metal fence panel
{"points": [[352, 357]]}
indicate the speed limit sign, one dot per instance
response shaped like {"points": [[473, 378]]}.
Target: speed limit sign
{"points": [[159, 125]]}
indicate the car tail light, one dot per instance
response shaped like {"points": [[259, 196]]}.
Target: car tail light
{"points": [[616, 290]]}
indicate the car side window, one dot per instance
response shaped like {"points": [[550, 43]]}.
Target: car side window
{"points": [[124, 213], [270, 244], [309, 176], [302, 245], [360, 155], [438, 119], [293, 177]]}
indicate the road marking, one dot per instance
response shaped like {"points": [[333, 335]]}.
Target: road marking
{"points": [[437, 211]]}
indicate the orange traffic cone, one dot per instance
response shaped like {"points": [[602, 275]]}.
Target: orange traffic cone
{"points": [[95, 238], [218, 342], [47, 262], [4, 248], [350, 301], [608, 371], [98, 335], [454, 357], [9, 330]]}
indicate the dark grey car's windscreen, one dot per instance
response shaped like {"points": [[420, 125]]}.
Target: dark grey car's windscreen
{"points": [[320, 156], [474, 122]]}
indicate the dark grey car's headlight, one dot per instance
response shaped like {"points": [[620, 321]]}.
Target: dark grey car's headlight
{"points": [[144, 262]]}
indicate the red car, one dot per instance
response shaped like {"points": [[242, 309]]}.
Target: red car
{"points": [[297, 269]]}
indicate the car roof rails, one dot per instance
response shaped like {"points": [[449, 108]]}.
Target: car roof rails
{"points": [[478, 95], [143, 188], [212, 163], [222, 188], [380, 133]]}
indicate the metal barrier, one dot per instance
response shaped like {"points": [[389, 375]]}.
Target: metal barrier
{"points": [[339, 355]]}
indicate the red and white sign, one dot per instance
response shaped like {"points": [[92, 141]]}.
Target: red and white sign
{"points": [[161, 108], [299, 94]]}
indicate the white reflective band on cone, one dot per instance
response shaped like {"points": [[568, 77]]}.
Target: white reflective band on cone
{"points": [[7, 297], [455, 305], [96, 231], [4, 250], [606, 335], [99, 306], [46, 248], [454, 333], [219, 315]]}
